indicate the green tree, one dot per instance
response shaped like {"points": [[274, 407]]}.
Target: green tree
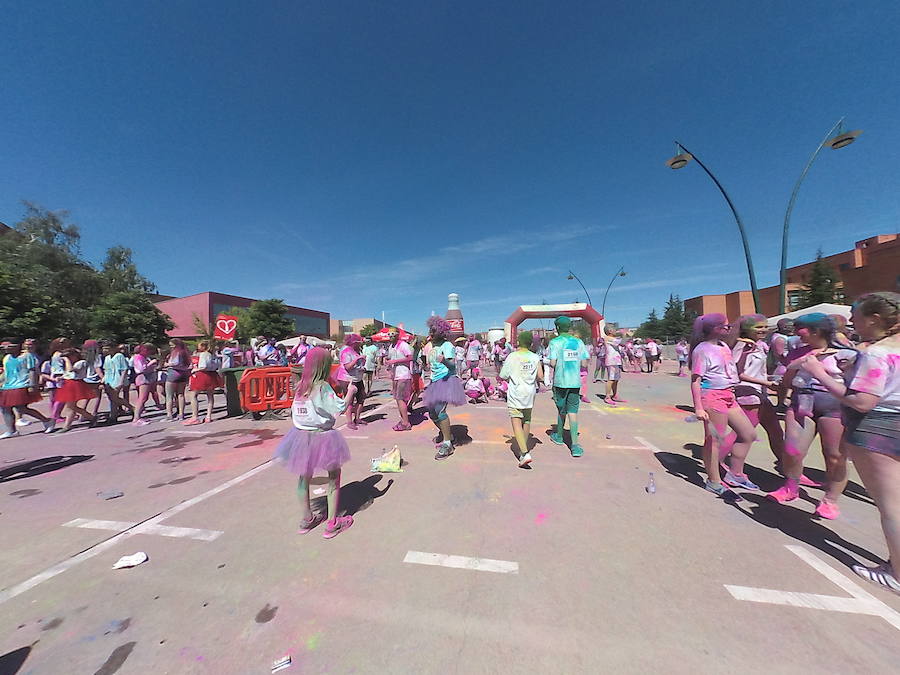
{"points": [[652, 327], [368, 330], [582, 330], [267, 317], [674, 323], [822, 284], [121, 274], [43, 256], [129, 316], [242, 334]]}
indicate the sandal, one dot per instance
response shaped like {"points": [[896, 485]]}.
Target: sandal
{"points": [[336, 526], [402, 427], [190, 423], [307, 525]]}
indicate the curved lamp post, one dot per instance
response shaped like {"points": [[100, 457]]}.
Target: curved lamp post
{"points": [[680, 161], [573, 276], [841, 140], [620, 273]]}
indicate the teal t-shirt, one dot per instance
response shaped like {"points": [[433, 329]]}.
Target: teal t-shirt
{"points": [[17, 370], [448, 366], [569, 352]]}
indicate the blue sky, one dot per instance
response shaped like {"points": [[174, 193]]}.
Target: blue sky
{"points": [[368, 157]]}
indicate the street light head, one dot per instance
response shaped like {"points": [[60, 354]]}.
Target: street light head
{"points": [[843, 140], [570, 277], [679, 161]]}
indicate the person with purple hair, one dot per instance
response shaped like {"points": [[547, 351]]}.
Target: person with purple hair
{"points": [[713, 377], [313, 444], [445, 387]]}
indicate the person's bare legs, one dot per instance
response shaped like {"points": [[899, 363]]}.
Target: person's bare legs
{"points": [[334, 493], [95, 402], [210, 401], [402, 408], [303, 496], [143, 395], [171, 399], [798, 436], [195, 405], [830, 431], [770, 423], [28, 410], [745, 435], [520, 435], [881, 476]]}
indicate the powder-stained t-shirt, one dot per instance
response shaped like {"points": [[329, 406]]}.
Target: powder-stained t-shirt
{"points": [[473, 351], [613, 356], [877, 372], [318, 411], [370, 352], [351, 369], [401, 350], [714, 364], [445, 368], [520, 368], [17, 370], [568, 351]]}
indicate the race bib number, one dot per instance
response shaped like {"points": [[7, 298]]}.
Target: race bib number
{"points": [[301, 410], [570, 355]]}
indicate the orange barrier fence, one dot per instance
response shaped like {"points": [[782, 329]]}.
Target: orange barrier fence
{"points": [[266, 389]]}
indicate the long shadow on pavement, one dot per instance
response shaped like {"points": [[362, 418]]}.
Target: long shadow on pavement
{"points": [[38, 466], [799, 525], [355, 496]]}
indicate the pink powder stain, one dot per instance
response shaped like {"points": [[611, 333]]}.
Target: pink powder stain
{"points": [[540, 518]]}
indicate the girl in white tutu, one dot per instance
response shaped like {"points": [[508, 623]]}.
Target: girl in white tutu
{"points": [[314, 444], [445, 388]]}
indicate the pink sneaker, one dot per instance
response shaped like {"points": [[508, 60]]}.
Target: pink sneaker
{"points": [[307, 525], [786, 493], [827, 510], [334, 527]]}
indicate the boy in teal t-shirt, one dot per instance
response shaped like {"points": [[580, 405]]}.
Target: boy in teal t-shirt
{"points": [[568, 356]]}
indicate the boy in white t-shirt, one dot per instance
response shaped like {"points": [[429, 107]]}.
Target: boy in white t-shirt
{"points": [[522, 369]]}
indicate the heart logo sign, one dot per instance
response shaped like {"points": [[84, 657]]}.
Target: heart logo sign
{"points": [[225, 327]]}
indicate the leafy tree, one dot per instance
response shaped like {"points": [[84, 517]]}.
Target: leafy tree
{"points": [[120, 273], [242, 334], [368, 330], [27, 308], [267, 317], [674, 323], [129, 316], [652, 327], [822, 284]]}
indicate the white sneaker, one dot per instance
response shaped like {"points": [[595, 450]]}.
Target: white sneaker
{"points": [[525, 459], [22, 422], [49, 426], [10, 434]]}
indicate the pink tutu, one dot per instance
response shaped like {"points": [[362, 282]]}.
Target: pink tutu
{"points": [[306, 452], [448, 390]]}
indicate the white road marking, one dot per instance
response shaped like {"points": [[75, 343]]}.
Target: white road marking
{"points": [[462, 562], [647, 444], [97, 549], [164, 530], [862, 601], [356, 437], [190, 432], [475, 440], [596, 409]]}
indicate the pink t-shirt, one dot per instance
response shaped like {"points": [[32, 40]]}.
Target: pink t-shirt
{"points": [[352, 362], [714, 364]]}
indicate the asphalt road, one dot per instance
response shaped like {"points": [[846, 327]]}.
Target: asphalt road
{"points": [[470, 565]]}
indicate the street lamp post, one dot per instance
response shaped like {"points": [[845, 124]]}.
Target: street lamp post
{"points": [[573, 276], [680, 161], [620, 273], [835, 142]]}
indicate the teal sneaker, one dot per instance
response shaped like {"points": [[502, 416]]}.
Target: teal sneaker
{"points": [[556, 438], [577, 450]]}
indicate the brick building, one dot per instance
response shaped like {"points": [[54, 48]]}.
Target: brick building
{"points": [[341, 327], [873, 264], [208, 305]]}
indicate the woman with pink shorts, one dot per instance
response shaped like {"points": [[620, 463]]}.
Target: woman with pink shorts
{"points": [[713, 377]]}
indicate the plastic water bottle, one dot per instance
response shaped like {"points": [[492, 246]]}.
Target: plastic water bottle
{"points": [[651, 485], [690, 418]]}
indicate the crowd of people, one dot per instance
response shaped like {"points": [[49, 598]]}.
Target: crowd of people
{"points": [[826, 379]]}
